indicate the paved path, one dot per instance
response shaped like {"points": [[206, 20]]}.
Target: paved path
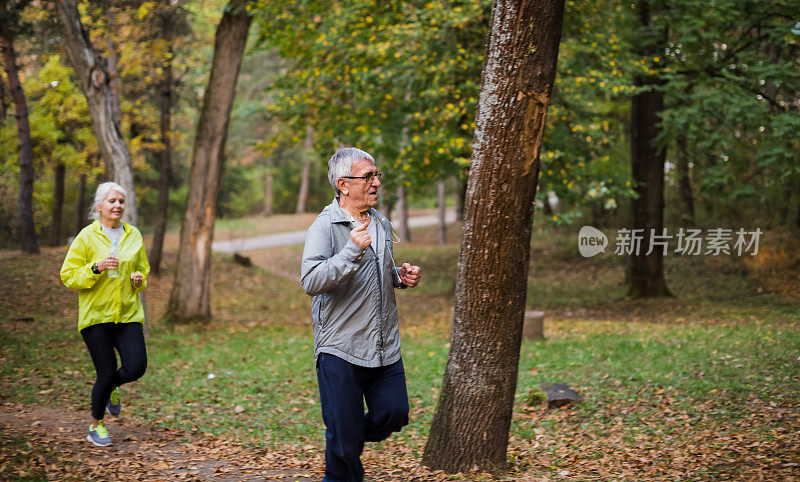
{"points": [[299, 237]]}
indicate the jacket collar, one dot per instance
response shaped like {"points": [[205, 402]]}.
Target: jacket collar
{"points": [[339, 216], [97, 227]]}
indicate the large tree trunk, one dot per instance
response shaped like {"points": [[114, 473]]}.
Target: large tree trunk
{"points": [[164, 101], [58, 204], [27, 229], [189, 300], [471, 424], [401, 208], [103, 101], [684, 182], [302, 196], [647, 271], [442, 195]]}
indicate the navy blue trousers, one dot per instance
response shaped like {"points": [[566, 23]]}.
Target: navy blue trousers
{"points": [[102, 340], [343, 389]]}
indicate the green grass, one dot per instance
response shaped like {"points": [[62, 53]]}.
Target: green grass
{"points": [[721, 358]]}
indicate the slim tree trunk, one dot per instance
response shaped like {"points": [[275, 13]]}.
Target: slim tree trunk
{"points": [[442, 192], [472, 420], [302, 196], [684, 181], [189, 300], [2, 103], [80, 212], [58, 204], [103, 101], [388, 206], [647, 272], [28, 240], [164, 101], [401, 208], [461, 196], [269, 176], [548, 209]]}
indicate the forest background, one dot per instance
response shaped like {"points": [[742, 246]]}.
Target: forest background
{"points": [[401, 80], [665, 115]]}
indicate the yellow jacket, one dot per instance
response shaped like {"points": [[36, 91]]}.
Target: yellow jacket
{"points": [[103, 299]]}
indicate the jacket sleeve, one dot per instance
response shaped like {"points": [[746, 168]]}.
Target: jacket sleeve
{"points": [[76, 271], [321, 270], [141, 266]]}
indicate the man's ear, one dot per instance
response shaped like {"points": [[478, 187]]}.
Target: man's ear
{"points": [[341, 184]]}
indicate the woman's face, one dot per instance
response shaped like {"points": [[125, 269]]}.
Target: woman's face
{"points": [[112, 207]]}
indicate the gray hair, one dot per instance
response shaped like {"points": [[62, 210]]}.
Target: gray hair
{"points": [[341, 164], [101, 193]]}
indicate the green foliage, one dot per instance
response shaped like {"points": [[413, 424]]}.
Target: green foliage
{"points": [[61, 134], [401, 80], [731, 82], [398, 79]]}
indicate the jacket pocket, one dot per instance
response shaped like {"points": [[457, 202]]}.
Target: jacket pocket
{"points": [[321, 312]]}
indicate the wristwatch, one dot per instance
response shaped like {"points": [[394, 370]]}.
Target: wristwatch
{"points": [[94, 269]]}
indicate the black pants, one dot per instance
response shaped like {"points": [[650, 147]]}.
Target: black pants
{"points": [[343, 389], [101, 340]]}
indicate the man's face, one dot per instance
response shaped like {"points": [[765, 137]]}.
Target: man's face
{"points": [[362, 193]]}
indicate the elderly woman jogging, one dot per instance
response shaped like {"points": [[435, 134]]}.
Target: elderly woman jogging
{"points": [[107, 263]]}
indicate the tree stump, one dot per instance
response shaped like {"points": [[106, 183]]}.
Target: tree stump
{"points": [[242, 260], [533, 328], [560, 395]]}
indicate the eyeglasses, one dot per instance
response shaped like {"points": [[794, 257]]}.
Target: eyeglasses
{"points": [[367, 178]]}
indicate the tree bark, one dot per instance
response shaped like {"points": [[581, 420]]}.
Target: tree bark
{"points": [[95, 80], [164, 101], [684, 181], [27, 229], [647, 271], [442, 194], [189, 300], [471, 424], [58, 204], [302, 196], [401, 208]]}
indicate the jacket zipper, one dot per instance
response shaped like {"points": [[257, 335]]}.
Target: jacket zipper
{"points": [[380, 306]]}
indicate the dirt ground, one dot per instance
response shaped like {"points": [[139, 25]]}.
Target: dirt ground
{"points": [[44, 443]]}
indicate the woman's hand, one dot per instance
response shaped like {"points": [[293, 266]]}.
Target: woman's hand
{"points": [[108, 263], [137, 279]]}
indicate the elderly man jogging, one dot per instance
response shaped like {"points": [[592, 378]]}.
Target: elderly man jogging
{"points": [[349, 271]]}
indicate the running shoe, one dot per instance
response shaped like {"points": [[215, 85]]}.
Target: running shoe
{"points": [[114, 406], [98, 435]]}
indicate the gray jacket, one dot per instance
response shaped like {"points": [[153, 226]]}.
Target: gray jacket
{"points": [[352, 289]]}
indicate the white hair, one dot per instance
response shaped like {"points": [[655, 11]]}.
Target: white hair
{"points": [[341, 164], [101, 193]]}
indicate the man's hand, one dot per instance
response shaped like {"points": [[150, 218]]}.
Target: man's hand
{"points": [[409, 275], [360, 236]]}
